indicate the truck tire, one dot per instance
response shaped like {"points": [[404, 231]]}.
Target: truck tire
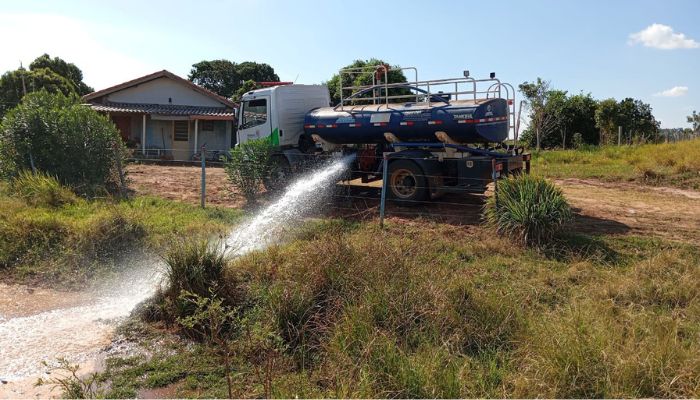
{"points": [[280, 174], [407, 182]]}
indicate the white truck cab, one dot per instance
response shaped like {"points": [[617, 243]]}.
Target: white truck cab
{"points": [[278, 112]]}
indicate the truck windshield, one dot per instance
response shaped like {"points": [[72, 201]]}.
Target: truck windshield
{"points": [[254, 113]]}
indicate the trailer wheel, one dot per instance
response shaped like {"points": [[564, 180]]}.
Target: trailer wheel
{"points": [[407, 181]]}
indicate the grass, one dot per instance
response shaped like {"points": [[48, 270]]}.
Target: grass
{"points": [[674, 164], [528, 209], [67, 242], [433, 310]]}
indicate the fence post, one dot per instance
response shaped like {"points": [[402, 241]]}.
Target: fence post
{"points": [[204, 174], [495, 181], [619, 135], [120, 171], [385, 184]]}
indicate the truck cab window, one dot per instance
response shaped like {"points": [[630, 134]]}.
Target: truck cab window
{"points": [[254, 113]]}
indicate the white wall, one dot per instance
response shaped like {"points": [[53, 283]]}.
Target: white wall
{"points": [[159, 91], [218, 139]]}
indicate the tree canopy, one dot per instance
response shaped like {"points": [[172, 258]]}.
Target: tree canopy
{"points": [[51, 74], [67, 70], [224, 77], [558, 119], [363, 77], [694, 119]]}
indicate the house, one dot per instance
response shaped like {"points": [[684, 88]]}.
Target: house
{"points": [[162, 115]]}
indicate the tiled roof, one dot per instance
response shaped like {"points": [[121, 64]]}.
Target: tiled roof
{"points": [[156, 75], [162, 109]]}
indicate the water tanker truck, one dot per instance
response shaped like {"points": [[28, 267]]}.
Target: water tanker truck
{"points": [[436, 136]]}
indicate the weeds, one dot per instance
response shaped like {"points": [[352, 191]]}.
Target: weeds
{"points": [[673, 164], [71, 384], [442, 311], [41, 189]]}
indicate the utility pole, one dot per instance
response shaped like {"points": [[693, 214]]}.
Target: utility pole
{"points": [[24, 86]]}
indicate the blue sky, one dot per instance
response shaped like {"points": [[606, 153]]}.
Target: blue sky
{"points": [[584, 46]]}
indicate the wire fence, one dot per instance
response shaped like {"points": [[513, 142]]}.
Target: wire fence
{"points": [[458, 201]]}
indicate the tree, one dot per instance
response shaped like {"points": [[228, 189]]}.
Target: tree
{"points": [[224, 77], [55, 134], [14, 84], [363, 77], [257, 72], [582, 112], [645, 127], [219, 76], [537, 95], [558, 106], [694, 119], [634, 116], [568, 115], [606, 119], [246, 87], [67, 70]]}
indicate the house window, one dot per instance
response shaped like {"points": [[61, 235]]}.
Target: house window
{"points": [[254, 113], [207, 126], [181, 131]]}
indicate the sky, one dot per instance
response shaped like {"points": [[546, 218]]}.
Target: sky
{"points": [[649, 50]]}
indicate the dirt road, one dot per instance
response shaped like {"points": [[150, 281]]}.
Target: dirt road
{"points": [[602, 207]]}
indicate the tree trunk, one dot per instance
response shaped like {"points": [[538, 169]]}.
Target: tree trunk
{"points": [[537, 137], [563, 139]]}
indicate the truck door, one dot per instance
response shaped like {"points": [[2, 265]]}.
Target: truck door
{"points": [[254, 119]]}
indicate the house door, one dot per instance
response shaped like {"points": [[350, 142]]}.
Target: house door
{"points": [[181, 140], [123, 123]]}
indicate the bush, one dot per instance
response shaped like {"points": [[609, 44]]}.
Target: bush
{"points": [[196, 267], [58, 135], [249, 165], [41, 189], [527, 208]]}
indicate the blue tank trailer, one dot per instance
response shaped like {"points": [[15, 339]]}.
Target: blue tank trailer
{"points": [[432, 147]]}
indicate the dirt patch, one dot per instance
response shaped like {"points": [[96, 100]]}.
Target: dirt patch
{"points": [[602, 207], [183, 183], [654, 211]]}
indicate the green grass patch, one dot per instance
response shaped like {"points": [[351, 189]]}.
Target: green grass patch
{"points": [[350, 310], [673, 164], [67, 242]]}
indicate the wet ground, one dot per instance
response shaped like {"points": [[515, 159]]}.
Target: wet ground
{"points": [[39, 326]]}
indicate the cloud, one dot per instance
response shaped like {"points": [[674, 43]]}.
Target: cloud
{"points": [[30, 35], [661, 36], [675, 91]]}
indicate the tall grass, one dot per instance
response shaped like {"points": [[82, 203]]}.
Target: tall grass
{"points": [[41, 189], [349, 310], [675, 164], [50, 236], [528, 209], [194, 266]]}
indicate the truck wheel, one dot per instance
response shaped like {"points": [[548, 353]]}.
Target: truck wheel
{"points": [[280, 174], [407, 181]]}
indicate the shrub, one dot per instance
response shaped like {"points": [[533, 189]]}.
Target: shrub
{"points": [[195, 267], [58, 135], [250, 163], [41, 189], [527, 208]]}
